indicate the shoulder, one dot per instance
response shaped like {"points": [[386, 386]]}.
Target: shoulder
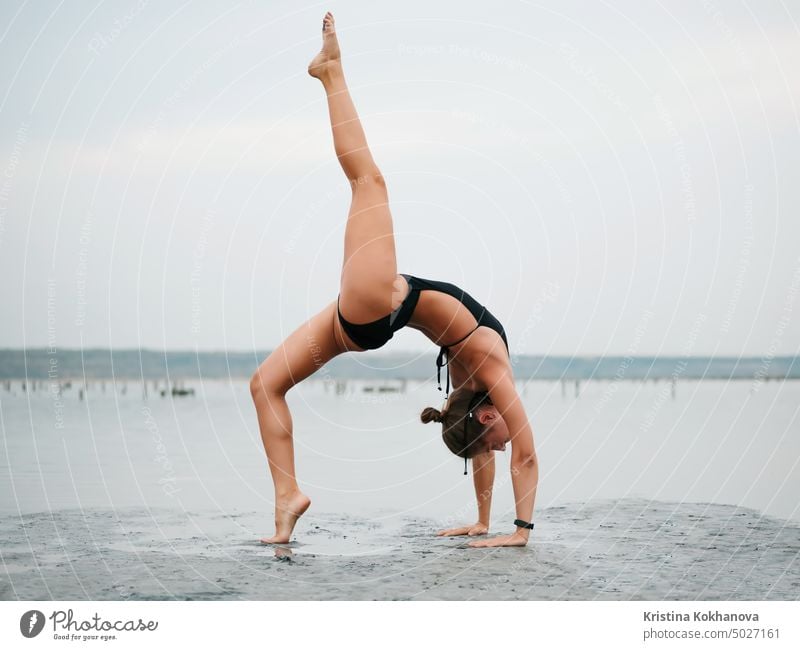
{"points": [[480, 361], [488, 358]]}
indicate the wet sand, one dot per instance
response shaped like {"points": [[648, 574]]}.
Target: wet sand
{"points": [[628, 549]]}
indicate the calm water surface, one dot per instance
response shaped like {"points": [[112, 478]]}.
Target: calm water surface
{"points": [[360, 452]]}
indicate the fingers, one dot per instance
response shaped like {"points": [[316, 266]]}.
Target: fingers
{"points": [[502, 540], [486, 543], [463, 530], [452, 532]]}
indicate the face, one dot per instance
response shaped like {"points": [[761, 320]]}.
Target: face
{"points": [[496, 435]]}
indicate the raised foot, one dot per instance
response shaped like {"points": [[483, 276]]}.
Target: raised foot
{"points": [[329, 56], [287, 512]]}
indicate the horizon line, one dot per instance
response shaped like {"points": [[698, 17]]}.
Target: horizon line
{"points": [[387, 352]]}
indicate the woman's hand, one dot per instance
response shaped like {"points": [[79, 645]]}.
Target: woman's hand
{"points": [[474, 529], [515, 539]]}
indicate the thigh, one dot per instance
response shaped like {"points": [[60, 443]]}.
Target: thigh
{"points": [[303, 352], [369, 270]]}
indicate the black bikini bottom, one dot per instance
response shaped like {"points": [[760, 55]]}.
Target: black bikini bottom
{"points": [[374, 335], [371, 336]]}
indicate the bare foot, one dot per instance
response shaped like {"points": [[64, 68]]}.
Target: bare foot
{"points": [[329, 55], [287, 512]]}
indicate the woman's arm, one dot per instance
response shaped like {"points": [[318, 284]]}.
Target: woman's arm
{"points": [[524, 463], [483, 479]]}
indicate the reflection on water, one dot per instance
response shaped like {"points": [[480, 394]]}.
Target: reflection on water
{"points": [[324, 545], [283, 552]]}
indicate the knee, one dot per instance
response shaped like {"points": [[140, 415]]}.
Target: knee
{"points": [[373, 179], [261, 388], [377, 179], [256, 385]]}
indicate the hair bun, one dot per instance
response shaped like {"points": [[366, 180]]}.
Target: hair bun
{"points": [[430, 414]]}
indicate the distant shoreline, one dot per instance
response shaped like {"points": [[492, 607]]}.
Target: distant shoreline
{"points": [[147, 364]]}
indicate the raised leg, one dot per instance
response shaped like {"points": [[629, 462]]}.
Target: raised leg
{"points": [[370, 289], [370, 285], [304, 352]]}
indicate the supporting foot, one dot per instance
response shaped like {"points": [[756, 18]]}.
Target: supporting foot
{"points": [[287, 511]]}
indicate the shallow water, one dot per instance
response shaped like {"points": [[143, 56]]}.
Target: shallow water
{"points": [[641, 496]]}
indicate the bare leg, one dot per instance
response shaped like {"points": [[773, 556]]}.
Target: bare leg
{"points": [[370, 285], [370, 289], [306, 350]]}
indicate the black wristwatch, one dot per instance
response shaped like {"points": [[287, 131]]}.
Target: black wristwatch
{"points": [[523, 524]]}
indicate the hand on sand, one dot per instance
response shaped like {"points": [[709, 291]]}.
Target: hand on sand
{"points": [[474, 529], [515, 539]]}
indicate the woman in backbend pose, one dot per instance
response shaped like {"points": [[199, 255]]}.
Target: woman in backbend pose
{"points": [[484, 411]]}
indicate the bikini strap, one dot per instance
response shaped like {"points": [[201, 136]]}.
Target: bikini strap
{"points": [[463, 338], [444, 351], [439, 363]]}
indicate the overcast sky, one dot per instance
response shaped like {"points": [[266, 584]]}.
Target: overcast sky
{"points": [[608, 178]]}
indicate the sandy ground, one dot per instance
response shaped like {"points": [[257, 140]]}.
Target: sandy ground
{"points": [[621, 550]]}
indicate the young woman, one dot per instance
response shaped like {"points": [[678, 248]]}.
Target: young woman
{"points": [[483, 413]]}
